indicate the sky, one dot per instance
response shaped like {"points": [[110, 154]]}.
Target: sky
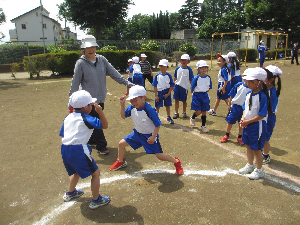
{"points": [[15, 8]]}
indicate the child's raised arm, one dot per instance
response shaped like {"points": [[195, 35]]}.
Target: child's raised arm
{"points": [[122, 106], [102, 117]]}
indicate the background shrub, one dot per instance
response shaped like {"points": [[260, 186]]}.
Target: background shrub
{"points": [[189, 49]]}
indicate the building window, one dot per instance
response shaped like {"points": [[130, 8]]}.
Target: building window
{"points": [[24, 26], [44, 26]]}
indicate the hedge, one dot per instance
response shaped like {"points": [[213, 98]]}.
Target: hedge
{"points": [[63, 63]]}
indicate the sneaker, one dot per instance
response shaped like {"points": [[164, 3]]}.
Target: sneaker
{"points": [[212, 112], [184, 115], [266, 159], [70, 195], [118, 165], [247, 169], [100, 202], [105, 151], [239, 140], [126, 93], [192, 121], [170, 120], [256, 174], [224, 139], [203, 128], [176, 115], [179, 169]]}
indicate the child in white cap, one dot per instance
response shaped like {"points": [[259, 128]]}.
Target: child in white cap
{"points": [[163, 86], [145, 133], [273, 72], [136, 70], [256, 107], [76, 131], [146, 69], [224, 83], [234, 67], [130, 75], [261, 49], [183, 77], [201, 84]]}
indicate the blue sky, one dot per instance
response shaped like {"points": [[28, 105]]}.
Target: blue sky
{"points": [[15, 8]]}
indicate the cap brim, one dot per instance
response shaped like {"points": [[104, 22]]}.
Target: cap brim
{"points": [[89, 44]]}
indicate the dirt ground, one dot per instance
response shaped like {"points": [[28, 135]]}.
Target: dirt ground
{"points": [[211, 191]]}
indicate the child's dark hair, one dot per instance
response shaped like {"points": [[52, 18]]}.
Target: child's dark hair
{"points": [[265, 90], [226, 65], [235, 65], [270, 75]]}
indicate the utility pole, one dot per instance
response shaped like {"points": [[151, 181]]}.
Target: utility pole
{"points": [[43, 25]]}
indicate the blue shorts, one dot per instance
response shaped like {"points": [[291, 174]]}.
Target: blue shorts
{"points": [[235, 80], [137, 140], [254, 135], [200, 101], [235, 114], [270, 125], [162, 100], [138, 79], [180, 93], [222, 96], [77, 159], [130, 80]]}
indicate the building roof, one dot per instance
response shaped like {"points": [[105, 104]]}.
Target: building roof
{"points": [[29, 12]]}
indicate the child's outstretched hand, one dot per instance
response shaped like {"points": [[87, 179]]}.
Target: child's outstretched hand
{"points": [[123, 99]]}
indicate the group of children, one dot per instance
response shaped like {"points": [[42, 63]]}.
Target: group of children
{"points": [[252, 103]]}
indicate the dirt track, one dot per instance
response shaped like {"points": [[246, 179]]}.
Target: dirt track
{"points": [[147, 191]]}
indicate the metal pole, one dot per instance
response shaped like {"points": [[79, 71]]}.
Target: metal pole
{"points": [[212, 49], [42, 25], [286, 47], [276, 48], [246, 50], [221, 43]]}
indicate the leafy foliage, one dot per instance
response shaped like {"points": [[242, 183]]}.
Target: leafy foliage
{"points": [[2, 17], [109, 48], [159, 26], [152, 46], [189, 14], [189, 49]]}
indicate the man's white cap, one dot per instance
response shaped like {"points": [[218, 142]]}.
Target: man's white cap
{"points": [[256, 73], [130, 60], [225, 57], [135, 59], [185, 56], [143, 55], [231, 54], [136, 91], [262, 42], [89, 41], [201, 63], [274, 69], [163, 62], [81, 99]]}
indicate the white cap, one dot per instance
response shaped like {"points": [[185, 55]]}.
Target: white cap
{"points": [[81, 99], [225, 57], [201, 63], [136, 91], [262, 42], [89, 41], [163, 62], [135, 59], [274, 69], [185, 56], [231, 54], [143, 55], [256, 73], [130, 60]]}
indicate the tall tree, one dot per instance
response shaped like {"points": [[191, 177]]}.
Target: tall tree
{"points": [[189, 14], [2, 16], [97, 14]]}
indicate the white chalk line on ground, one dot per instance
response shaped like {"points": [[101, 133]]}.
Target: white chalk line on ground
{"points": [[66, 205]]}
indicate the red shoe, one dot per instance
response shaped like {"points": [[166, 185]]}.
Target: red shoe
{"points": [[179, 169], [126, 93], [118, 165], [239, 140], [224, 139]]}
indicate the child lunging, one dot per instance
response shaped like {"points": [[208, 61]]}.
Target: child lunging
{"points": [[253, 121], [235, 108], [224, 83], [163, 86], [200, 87], [136, 70], [273, 72], [76, 153], [182, 77], [145, 133]]}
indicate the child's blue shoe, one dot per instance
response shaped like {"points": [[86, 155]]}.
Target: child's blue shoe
{"points": [[99, 202], [75, 194]]}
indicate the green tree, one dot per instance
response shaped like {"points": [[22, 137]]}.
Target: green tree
{"points": [[97, 14], [175, 23], [137, 27], [159, 26], [2, 16], [189, 14], [63, 12]]}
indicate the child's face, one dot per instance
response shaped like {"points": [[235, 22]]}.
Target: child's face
{"points": [[269, 81], [130, 63], [221, 62], [138, 102], [163, 69], [143, 59], [88, 108], [252, 84], [202, 70], [184, 62]]}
